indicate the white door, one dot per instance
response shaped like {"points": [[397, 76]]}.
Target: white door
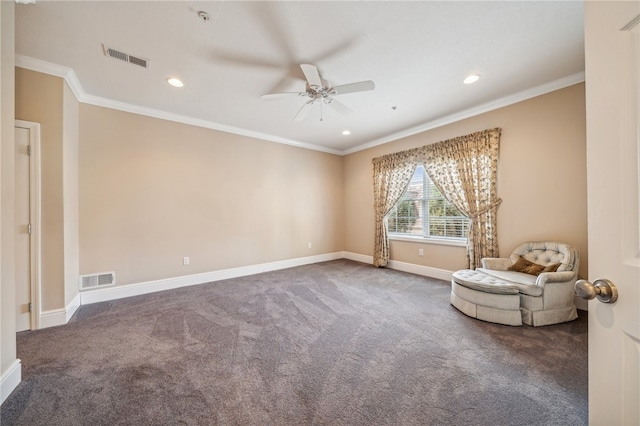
{"points": [[613, 154], [23, 238]]}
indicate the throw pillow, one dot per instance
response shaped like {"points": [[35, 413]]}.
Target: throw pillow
{"points": [[526, 266], [552, 267]]}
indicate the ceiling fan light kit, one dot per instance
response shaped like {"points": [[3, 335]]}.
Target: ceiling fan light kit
{"points": [[320, 92]]}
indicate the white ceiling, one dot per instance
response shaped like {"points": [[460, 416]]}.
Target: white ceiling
{"points": [[417, 53]]}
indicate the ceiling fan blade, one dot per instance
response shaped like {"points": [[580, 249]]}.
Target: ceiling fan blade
{"points": [[304, 111], [281, 95], [311, 74], [339, 106], [360, 86]]}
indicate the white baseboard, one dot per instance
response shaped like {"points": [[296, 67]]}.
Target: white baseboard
{"points": [[72, 307], [412, 268], [62, 316], [10, 379], [427, 271], [53, 318], [113, 293], [581, 304], [358, 257], [57, 317]]}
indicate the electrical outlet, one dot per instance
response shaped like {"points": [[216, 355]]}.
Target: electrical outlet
{"points": [[185, 260], [309, 245], [420, 252]]}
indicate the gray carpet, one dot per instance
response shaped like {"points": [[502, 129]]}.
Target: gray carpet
{"points": [[335, 343]]}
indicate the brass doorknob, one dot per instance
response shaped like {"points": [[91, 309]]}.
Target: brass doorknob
{"points": [[601, 288]]}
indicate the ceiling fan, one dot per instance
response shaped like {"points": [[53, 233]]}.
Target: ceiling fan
{"points": [[319, 91]]}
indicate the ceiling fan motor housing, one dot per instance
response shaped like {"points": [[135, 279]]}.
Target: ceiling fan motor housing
{"points": [[319, 90]]}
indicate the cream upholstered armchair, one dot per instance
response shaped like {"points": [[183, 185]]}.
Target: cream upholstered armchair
{"points": [[544, 273]]}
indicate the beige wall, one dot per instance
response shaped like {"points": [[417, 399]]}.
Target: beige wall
{"points": [[39, 98], [542, 179], [70, 188], [155, 191], [7, 198], [47, 100], [152, 191]]}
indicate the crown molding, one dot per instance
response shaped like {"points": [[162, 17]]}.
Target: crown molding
{"points": [[65, 73], [480, 109], [169, 116], [72, 80]]}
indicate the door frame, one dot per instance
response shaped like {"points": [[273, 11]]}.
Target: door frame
{"points": [[35, 217]]}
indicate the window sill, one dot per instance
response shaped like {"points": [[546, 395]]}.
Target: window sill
{"points": [[425, 240]]}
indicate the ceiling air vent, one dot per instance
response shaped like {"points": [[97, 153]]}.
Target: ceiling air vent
{"points": [[116, 54], [102, 279]]}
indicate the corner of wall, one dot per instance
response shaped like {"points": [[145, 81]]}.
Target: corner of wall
{"points": [[56, 317], [10, 370], [70, 193]]}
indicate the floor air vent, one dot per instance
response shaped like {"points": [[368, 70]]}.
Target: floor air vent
{"points": [[116, 54], [103, 279]]}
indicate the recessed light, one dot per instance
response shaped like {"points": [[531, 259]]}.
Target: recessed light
{"points": [[175, 82], [471, 79], [346, 132]]}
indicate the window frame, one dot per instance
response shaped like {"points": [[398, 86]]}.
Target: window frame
{"points": [[424, 200]]}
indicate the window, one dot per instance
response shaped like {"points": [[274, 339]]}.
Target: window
{"points": [[423, 211]]}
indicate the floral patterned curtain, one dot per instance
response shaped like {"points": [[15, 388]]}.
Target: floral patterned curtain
{"points": [[465, 170], [391, 176]]}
